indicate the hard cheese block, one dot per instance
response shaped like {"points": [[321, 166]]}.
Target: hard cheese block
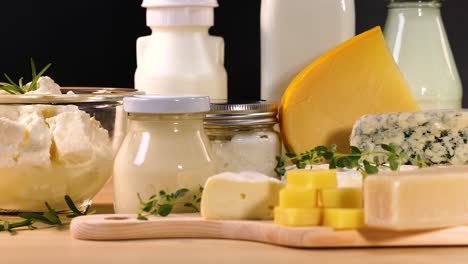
{"points": [[298, 216], [343, 218], [438, 137], [341, 198], [356, 78], [247, 195], [421, 199], [314, 179], [291, 197]]}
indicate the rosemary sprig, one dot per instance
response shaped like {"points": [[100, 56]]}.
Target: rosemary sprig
{"points": [[357, 159], [163, 203], [18, 88], [50, 217]]}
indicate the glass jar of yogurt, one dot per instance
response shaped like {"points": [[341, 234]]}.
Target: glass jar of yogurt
{"points": [[415, 33], [243, 137], [165, 149]]}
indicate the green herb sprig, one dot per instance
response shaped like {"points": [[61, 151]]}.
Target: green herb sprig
{"points": [[19, 88], [49, 217], [163, 203], [389, 157]]}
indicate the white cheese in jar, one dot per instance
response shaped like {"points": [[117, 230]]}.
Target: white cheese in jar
{"points": [[243, 136], [247, 150]]}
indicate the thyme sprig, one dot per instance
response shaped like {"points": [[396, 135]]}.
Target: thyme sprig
{"points": [[163, 203], [390, 157], [12, 87], [49, 217]]}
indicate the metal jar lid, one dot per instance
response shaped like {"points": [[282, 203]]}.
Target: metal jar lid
{"points": [[226, 113]]}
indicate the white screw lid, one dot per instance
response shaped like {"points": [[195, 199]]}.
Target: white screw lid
{"points": [[166, 104], [179, 3]]}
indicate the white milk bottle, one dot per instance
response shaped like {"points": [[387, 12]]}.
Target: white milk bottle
{"points": [[294, 33], [416, 35], [180, 57]]}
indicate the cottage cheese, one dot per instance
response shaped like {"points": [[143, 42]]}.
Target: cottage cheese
{"points": [[45, 85], [50, 151]]}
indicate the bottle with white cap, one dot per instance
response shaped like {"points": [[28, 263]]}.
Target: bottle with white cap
{"points": [[165, 149], [180, 57]]}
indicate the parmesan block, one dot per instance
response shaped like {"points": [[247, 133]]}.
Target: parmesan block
{"points": [[247, 195], [438, 137], [359, 77], [419, 199]]}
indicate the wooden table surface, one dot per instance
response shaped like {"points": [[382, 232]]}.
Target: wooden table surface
{"points": [[52, 245]]}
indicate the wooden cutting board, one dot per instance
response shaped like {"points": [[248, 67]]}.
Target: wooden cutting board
{"points": [[125, 227]]}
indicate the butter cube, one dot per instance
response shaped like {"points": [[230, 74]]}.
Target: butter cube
{"points": [[298, 198], [420, 199], [313, 179], [341, 198], [343, 218], [298, 216]]}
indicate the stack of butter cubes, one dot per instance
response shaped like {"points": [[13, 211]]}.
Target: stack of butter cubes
{"points": [[311, 198]]}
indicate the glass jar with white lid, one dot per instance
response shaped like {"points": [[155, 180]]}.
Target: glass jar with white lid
{"points": [[165, 149], [243, 137]]}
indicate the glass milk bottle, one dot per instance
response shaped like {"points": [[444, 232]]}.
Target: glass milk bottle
{"points": [[165, 149], [180, 57], [415, 33], [296, 32]]}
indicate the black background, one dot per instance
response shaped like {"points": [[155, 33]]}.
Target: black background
{"points": [[92, 42]]}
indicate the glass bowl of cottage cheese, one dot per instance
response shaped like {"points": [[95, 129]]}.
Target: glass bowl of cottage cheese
{"points": [[57, 141]]}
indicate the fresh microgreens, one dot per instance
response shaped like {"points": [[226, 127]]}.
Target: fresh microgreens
{"points": [[163, 203], [49, 217], [390, 157], [19, 88]]}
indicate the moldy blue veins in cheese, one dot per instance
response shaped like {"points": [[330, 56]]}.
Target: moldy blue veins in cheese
{"points": [[438, 137]]}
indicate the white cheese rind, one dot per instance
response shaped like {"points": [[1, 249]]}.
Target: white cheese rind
{"points": [[240, 196], [438, 137], [419, 199]]}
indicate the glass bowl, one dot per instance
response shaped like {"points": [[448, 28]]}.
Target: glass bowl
{"points": [[76, 166]]}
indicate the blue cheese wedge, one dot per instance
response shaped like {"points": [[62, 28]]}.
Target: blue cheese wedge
{"points": [[438, 137], [245, 195]]}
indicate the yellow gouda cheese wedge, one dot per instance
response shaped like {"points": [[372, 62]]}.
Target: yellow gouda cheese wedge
{"points": [[343, 218], [298, 216], [356, 78]]}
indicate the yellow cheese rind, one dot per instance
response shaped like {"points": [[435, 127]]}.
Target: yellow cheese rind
{"points": [[314, 179], [341, 198], [359, 77], [298, 198], [343, 218], [427, 198], [298, 216]]}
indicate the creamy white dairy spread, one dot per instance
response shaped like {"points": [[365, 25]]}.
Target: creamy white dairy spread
{"points": [[49, 151]]}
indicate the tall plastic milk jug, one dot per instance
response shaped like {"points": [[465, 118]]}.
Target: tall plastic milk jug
{"points": [[180, 57], [296, 32]]}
